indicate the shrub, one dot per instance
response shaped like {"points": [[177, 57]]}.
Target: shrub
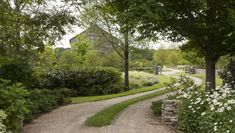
{"points": [[43, 100], [206, 112], [157, 108], [21, 104], [12, 101], [85, 81], [2, 118], [16, 70], [228, 74]]}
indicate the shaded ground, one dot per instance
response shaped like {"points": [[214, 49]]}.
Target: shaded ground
{"points": [[70, 119]]}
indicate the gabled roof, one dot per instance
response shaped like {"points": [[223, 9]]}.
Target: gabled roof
{"points": [[95, 27]]}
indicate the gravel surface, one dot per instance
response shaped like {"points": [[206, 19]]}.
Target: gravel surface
{"points": [[137, 118]]}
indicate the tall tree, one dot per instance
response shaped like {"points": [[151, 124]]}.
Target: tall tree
{"points": [[27, 25], [207, 24], [96, 12]]}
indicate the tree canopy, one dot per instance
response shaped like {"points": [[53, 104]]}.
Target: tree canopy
{"points": [[31, 24], [207, 24]]}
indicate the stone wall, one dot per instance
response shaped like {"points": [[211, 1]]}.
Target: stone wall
{"points": [[169, 111]]}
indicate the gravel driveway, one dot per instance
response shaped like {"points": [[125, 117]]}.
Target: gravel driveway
{"points": [[137, 118]]}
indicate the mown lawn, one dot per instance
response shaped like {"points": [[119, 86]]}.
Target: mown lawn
{"points": [[162, 79]]}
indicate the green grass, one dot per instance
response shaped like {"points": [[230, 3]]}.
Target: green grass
{"points": [[157, 108], [108, 115], [162, 80], [203, 77]]}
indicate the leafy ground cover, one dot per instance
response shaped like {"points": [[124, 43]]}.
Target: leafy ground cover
{"points": [[162, 79]]}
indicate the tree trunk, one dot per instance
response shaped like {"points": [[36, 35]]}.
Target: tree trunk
{"points": [[210, 73], [126, 60]]}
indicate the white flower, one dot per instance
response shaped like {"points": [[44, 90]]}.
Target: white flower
{"points": [[229, 108], [232, 101], [227, 131], [212, 107], [221, 109], [203, 113], [185, 95], [231, 121], [225, 105], [215, 128]]}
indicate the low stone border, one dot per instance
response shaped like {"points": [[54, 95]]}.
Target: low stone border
{"points": [[169, 111]]}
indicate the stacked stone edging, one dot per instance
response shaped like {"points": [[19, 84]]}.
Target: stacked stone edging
{"points": [[169, 111]]}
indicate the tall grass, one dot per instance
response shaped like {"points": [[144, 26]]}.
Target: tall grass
{"points": [[140, 79]]}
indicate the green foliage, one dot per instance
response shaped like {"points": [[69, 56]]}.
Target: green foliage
{"points": [[228, 74], [193, 58], [2, 118], [168, 57], [112, 59], [69, 60], [20, 104], [204, 23], [85, 81], [43, 100], [204, 112], [207, 25], [141, 57], [222, 62], [157, 108], [44, 60], [141, 53], [80, 47], [25, 28], [93, 59], [16, 70], [13, 102]]}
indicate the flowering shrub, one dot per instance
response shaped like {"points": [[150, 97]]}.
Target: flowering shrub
{"points": [[206, 112], [2, 117]]}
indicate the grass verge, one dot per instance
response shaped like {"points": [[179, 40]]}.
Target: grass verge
{"points": [[106, 116], [162, 80]]}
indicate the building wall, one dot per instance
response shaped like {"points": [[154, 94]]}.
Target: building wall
{"points": [[99, 39]]}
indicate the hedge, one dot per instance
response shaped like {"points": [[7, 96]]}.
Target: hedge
{"points": [[84, 81]]}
